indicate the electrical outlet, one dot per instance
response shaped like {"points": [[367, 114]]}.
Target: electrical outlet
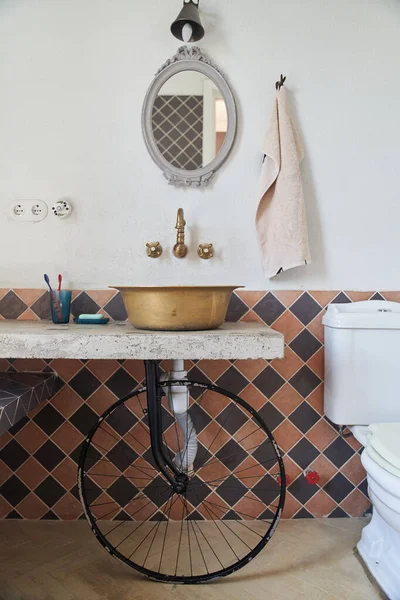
{"points": [[28, 210]]}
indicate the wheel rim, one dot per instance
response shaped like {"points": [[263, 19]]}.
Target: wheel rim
{"points": [[231, 504]]}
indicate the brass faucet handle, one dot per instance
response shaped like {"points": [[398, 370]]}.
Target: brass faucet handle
{"points": [[205, 251], [154, 249], [180, 219]]}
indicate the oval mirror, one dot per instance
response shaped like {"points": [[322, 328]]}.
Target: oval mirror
{"points": [[189, 119]]}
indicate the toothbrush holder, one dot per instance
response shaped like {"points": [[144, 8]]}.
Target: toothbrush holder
{"points": [[63, 298]]}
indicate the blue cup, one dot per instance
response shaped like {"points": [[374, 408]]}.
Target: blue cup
{"points": [[60, 303]]}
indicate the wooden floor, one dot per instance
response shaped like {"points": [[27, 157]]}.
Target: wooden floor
{"points": [[311, 559]]}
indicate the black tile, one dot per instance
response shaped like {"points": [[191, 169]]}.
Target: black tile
{"points": [[91, 489], [339, 452], [122, 455], [196, 375], [50, 491], [303, 514], [268, 381], [267, 489], [123, 516], [304, 417], [196, 516], [305, 381], [159, 516], [49, 455], [341, 299], [232, 418], [265, 455], [42, 306], [199, 417], [92, 455], [116, 308], [236, 309], [231, 455], [305, 345], [14, 490], [197, 491], [363, 487], [231, 490], [377, 296], [121, 419], [338, 513], [84, 419], [48, 419], [13, 454], [305, 308], [303, 453], [269, 308], [158, 490], [122, 491], [268, 514], [84, 383], [302, 490], [202, 456], [50, 516], [233, 381], [84, 304], [121, 383], [271, 416], [11, 306], [338, 487], [18, 426], [13, 515]]}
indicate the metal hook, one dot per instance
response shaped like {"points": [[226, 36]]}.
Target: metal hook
{"points": [[280, 83]]}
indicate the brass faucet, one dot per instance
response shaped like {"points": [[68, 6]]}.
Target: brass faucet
{"points": [[180, 248]]}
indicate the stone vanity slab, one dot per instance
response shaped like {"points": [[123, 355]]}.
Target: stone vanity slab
{"points": [[20, 393], [22, 339]]}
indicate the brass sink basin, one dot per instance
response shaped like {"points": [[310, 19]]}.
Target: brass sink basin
{"points": [[177, 308]]}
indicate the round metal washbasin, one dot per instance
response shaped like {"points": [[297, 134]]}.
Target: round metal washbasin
{"points": [[177, 308]]}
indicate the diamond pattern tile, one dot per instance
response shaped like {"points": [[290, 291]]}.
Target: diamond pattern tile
{"points": [[232, 419], [13, 455], [268, 382], [305, 308], [339, 452], [121, 383], [303, 453], [122, 455], [84, 304], [122, 491], [13, 490], [50, 491], [269, 308], [11, 306], [338, 487], [84, 383], [236, 309], [48, 419], [305, 381], [116, 308], [233, 381], [49, 455], [304, 417], [305, 345]]}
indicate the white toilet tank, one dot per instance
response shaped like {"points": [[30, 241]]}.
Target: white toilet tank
{"points": [[362, 362]]}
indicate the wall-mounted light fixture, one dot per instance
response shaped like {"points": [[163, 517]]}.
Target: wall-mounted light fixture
{"points": [[187, 26]]}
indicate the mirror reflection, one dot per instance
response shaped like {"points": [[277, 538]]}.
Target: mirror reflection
{"points": [[189, 120]]}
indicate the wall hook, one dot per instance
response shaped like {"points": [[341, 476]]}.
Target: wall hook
{"points": [[280, 83]]}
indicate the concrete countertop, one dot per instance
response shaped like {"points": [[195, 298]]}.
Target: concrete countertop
{"points": [[43, 339]]}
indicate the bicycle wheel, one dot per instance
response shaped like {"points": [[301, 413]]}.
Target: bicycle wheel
{"points": [[229, 508]]}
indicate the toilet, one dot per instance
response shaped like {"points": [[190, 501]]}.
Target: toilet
{"points": [[362, 381]]}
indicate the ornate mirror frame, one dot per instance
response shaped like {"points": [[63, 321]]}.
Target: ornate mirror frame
{"points": [[188, 59]]}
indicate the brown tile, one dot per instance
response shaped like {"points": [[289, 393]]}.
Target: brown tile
{"points": [[354, 470], [29, 296], [213, 368], [316, 399], [214, 507], [248, 507], [250, 368], [321, 435], [288, 365], [214, 403], [31, 437], [67, 437], [250, 435], [102, 399], [320, 505], [213, 437], [253, 396], [355, 444], [66, 401], [103, 369], [32, 507], [32, 473], [29, 364], [287, 297], [324, 297], [250, 471], [5, 473], [287, 435], [215, 472], [28, 315], [101, 297], [291, 469], [317, 328], [251, 317], [66, 473], [4, 365], [292, 506], [250, 297], [355, 504], [66, 368], [289, 325], [5, 508], [68, 508], [316, 363], [287, 399], [11, 307], [4, 439], [100, 509], [3, 292], [135, 368], [324, 468], [360, 296]]}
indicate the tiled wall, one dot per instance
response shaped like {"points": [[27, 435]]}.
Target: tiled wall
{"points": [[38, 459]]}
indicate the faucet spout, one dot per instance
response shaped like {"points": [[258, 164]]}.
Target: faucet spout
{"points": [[180, 248]]}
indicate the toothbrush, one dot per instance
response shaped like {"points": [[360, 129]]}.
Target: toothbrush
{"points": [[53, 296], [59, 282]]}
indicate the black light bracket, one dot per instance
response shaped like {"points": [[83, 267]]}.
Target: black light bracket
{"points": [[190, 17]]}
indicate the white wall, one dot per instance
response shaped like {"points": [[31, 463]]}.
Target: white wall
{"points": [[73, 74]]}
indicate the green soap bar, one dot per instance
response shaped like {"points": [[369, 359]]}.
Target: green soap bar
{"points": [[91, 317]]}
